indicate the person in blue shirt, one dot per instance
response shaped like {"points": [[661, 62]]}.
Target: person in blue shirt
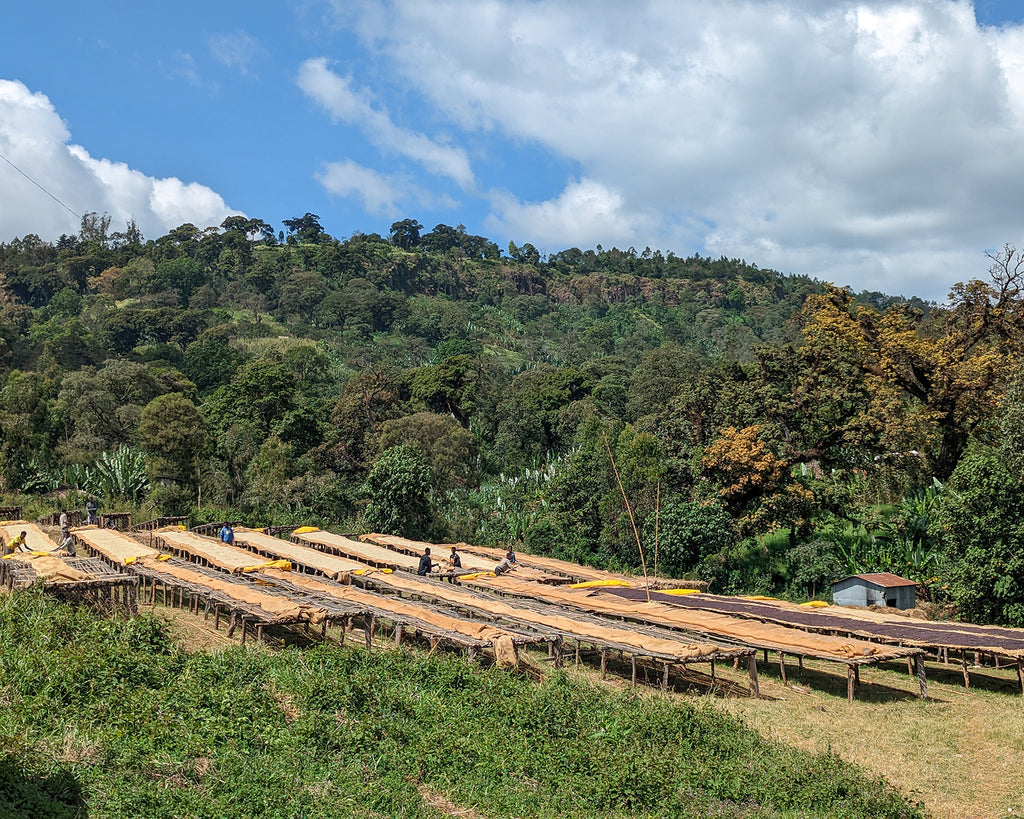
{"points": [[227, 534]]}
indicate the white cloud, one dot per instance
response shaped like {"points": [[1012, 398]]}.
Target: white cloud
{"points": [[237, 50], [585, 213], [380, 194], [879, 143], [35, 139], [337, 96]]}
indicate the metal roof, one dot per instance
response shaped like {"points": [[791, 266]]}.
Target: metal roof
{"points": [[886, 580]]}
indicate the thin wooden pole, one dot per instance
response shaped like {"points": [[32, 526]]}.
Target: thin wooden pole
{"points": [[752, 672], [632, 520], [850, 683], [657, 510], [921, 679]]}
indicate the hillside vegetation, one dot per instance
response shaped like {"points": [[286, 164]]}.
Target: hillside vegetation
{"points": [[109, 718], [771, 432]]}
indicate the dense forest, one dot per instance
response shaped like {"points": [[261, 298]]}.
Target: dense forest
{"points": [[766, 432]]}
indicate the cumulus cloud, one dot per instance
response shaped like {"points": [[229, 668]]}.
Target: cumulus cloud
{"points": [[35, 139], [585, 213], [344, 103], [877, 142]]}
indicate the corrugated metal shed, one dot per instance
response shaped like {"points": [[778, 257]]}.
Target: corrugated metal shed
{"points": [[875, 589]]}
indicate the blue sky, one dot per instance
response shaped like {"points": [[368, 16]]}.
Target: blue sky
{"points": [[875, 144]]}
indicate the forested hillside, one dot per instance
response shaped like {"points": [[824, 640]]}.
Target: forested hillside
{"points": [[771, 432]]}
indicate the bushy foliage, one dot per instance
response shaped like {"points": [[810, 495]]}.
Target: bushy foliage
{"points": [[981, 522], [398, 489], [108, 718]]}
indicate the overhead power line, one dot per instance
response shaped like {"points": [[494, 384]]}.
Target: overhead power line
{"points": [[44, 190]]}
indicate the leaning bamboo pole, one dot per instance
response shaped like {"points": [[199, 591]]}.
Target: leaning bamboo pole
{"points": [[632, 520]]}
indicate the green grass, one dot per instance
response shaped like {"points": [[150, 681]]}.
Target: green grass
{"points": [[109, 718]]}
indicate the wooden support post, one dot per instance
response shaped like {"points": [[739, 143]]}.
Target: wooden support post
{"points": [[752, 672], [664, 679], [712, 672], [604, 663], [243, 630], [323, 629], [910, 667], [963, 662], [233, 623], [921, 679], [369, 626], [850, 683], [216, 617], [632, 659], [856, 674], [766, 656], [736, 663], [551, 649], [398, 634], [558, 652], [259, 632], [800, 661], [945, 655], [1020, 674], [782, 667], [346, 624], [577, 653], [165, 594], [977, 658]]}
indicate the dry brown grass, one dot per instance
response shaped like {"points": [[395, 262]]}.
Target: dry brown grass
{"points": [[959, 752], [443, 805], [193, 633]]}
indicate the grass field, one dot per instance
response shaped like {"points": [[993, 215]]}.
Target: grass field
{"points": [[959, 753], [105, 718]]}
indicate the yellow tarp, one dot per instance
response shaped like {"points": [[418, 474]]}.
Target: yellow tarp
{"points": [[594, 584]]}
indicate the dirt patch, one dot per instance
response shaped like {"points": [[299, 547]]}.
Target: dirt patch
{"points": [[441, 803], [192, 633]]}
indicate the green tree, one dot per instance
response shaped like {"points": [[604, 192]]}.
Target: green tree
{"points": [[448, 387], [687, 533], [306, 229], [210, 360], [451, 451], [981, 522], [398, 488], [302, 293], [814, 565], [183, 275], [171, 432], [102, 407], [405, 234]]}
